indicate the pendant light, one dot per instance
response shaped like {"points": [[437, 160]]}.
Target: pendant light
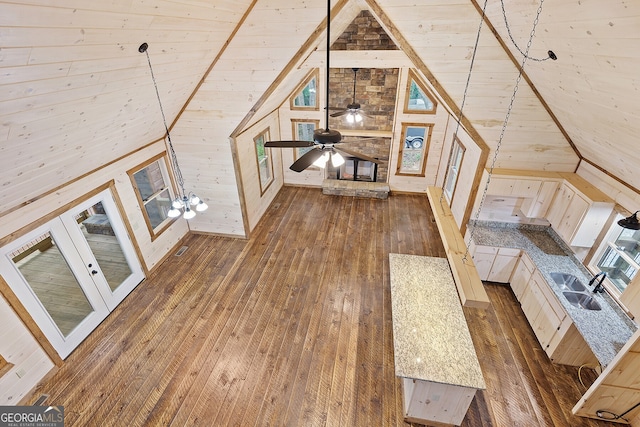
{"points": [[630, 222], [185, 202]]}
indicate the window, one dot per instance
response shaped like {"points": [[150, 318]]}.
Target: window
{"points": [[303, 131], [418, 99], [151, 183], [305, 96], [265, 163], [455, 162], [619, 256], [412, 157]]}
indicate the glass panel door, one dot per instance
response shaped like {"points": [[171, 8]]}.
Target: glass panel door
{"points": [[46, 273], [71, 272], [104, 245]]}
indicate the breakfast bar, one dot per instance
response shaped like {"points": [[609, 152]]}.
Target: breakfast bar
{"points": [[433, 351]]}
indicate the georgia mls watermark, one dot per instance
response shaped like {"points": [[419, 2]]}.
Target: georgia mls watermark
{"points": [[31, 416]]}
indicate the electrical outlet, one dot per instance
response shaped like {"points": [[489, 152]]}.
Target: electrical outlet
{"points": [[21, 372]]}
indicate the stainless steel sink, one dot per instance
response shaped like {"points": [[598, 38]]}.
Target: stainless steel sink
{"points": [[581, 300], [568, 281]]}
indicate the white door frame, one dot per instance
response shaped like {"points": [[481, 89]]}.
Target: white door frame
{"points": [[76, 251]]}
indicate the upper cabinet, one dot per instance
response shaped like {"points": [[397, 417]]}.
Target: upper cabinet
{"points": [[576, 209], [579, 211], [537, 189]]}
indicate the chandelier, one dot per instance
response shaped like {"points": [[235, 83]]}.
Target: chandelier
{"points": [[186, 203]]}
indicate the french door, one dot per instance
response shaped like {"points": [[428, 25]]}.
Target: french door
{"points": [[71, 272]]}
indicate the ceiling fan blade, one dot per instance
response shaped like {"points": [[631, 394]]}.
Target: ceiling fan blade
{"points": [[365, 114], [341, 113], [306, 160], [336, 108], [356, 154], [286, 144]]}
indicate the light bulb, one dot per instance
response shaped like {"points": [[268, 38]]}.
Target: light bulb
{"points": [[202, 206], [357, 117], [336, 159], [177, 203], [322, 160], [350, 118], [194, 200], [188, 213], [173, 213]]}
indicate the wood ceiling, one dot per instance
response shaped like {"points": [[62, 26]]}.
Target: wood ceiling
{"points": [[75, 93]]}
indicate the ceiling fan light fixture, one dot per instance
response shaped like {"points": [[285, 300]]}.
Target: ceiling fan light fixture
{"points": [[631, 222], [336, 159], [322, 160], [357, 117], [173, 212]]}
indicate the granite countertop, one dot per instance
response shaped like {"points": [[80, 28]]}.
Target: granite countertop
{"points": [[430, 334], [606, 330]]}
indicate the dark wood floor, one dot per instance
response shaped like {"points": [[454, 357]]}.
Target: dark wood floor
{"points": [[293, 328]]}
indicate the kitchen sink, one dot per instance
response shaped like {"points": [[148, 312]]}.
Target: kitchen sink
{"points": [[580, 300], [567, 281]]}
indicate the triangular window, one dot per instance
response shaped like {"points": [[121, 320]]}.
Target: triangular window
{"points": [[305, 96], [418, 99]]}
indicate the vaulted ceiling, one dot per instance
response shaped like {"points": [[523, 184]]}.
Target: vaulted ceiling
{"points": [[76, 94]]}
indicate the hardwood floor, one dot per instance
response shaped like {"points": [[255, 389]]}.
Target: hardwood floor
{"points": [[293, 328]]}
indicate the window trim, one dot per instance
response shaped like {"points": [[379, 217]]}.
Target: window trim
{"points": [[463, 149], [425, 148], [265, 134], [294, 135], [315, 73], [413, 76], [608, 241], [166, 223]]}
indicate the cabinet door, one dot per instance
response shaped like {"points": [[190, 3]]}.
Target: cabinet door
{"points": [[500, 186], [530, 303], [483, 257], [573, 216], [527, 188], [521, 277], [503, 265], [550, 316], [559, 205], [539, 206]]}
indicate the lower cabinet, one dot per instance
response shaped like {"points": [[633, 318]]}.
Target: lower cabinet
{"points": [[552, 326], [495, 264]]}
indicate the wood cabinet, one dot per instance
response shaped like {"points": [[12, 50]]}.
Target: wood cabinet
{"points": [[521, 275], [537, 189], [579, 211], [552, 326], [495, 264]]}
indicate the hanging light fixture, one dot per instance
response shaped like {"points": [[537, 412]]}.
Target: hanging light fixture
{"points": [[630, 222], [184, 203], [329, 154]]}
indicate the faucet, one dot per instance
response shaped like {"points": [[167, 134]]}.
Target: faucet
{"points": [[598, 287]]}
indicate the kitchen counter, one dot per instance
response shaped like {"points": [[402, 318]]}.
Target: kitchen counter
{"points": [[431, 339], [605, 330], [433, 351]]}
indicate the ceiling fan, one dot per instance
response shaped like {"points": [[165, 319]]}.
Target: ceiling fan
{"points": [[353, 112], [325, 141]]}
